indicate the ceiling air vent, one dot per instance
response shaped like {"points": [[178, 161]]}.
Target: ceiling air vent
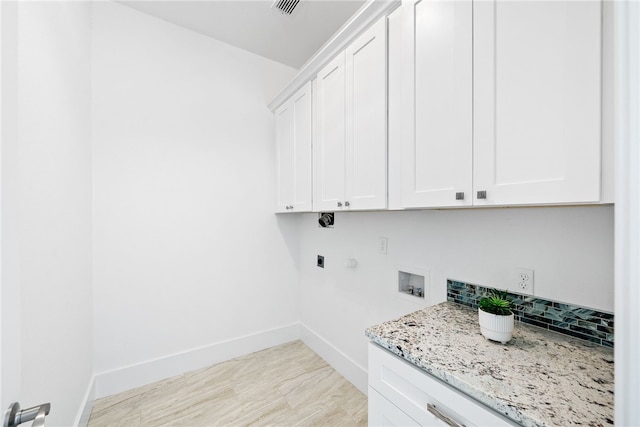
{"points": [[285, 7]]}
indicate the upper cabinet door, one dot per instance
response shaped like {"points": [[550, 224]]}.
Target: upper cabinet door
{"points": [[537, 101], [329, 137], [366, 119], [284, 157], [437, 92], [293, 153], [302, 108]]}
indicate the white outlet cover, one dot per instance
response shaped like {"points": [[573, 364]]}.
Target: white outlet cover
{"points": [[522, 281]]}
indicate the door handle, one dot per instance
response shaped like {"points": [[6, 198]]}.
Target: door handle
{"points": [[14, 416], [39, 420]]}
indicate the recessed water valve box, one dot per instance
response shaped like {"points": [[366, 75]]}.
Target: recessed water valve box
{"points": [[411, 284]]}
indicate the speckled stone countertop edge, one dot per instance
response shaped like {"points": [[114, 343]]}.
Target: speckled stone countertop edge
{"points": [[549, 379], [460, 385]]}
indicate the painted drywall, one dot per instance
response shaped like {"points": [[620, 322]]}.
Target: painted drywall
{"points": [[187, 250], [10, 244], [570, 249], [53, 187]]}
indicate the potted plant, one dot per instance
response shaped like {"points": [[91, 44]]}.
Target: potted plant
{"points": [[495, 313]]}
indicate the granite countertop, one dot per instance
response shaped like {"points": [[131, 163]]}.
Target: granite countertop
{"points": [[539, 378]]}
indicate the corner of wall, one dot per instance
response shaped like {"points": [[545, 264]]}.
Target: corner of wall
{"points": [[84, 412], [348, 368]]}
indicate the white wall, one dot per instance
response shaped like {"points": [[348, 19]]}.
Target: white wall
{"points": [[54, 205], [10, 380], [627, 219], [187, 250], [570, 249]]}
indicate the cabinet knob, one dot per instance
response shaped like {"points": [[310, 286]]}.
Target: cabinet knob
{"points": [[290, 206], [482, 195], [460, 195], [347, 204], [339, 204]]}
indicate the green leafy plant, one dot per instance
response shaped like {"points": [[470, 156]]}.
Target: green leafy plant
{"points": [[497, 303]]}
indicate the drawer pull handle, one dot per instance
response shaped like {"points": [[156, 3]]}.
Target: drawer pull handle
{"points": [[442, 417]]}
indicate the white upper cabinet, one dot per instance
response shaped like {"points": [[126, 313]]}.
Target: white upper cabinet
{"points": [[537, 101], [350, 135], [491, 103], [293, 153], [329, 137], [501, 103], [436, 82], [366, 119]]}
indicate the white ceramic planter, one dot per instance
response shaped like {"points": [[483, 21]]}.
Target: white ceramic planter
{"points": [[494, 327]]}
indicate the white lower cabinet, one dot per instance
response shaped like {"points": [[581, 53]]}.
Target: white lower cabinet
{"points": [[402, 394], [384, 413]]}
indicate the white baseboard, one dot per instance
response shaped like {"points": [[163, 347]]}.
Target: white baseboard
{"points": [[119, 380], [82, 419], [347, 367]]}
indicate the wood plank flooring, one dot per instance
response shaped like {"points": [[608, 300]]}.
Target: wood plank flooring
{"points": [[287, 385]]}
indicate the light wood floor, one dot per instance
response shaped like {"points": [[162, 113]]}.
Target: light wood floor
{"points": [[287, 385]]}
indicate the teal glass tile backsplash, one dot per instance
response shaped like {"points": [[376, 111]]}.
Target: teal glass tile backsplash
{"points": [[579, 322]]}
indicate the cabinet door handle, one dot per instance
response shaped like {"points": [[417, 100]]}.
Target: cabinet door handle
{"points": [[442, 417], [460, 195], [339, 204], [482, 194], [347, 204]]}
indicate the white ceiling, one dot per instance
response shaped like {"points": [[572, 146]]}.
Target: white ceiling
{"points": [[252, 25]]}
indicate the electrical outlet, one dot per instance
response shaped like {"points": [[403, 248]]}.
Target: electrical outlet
{"points": [[523, 281], [382, 245]]}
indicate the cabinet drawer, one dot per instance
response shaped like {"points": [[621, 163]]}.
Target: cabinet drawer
{"points": [[411, 390], [384, 413]]}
